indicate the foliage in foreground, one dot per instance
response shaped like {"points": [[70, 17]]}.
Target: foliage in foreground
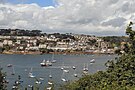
{"points": [[2, 80], [120, 73]]}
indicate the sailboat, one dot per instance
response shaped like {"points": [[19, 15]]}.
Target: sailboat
{"points": [[50, 75], [43, 63], [62, 67], [75, 74], [53, 60], [49, 82], [13, 71], [30, 86], [62, 78], [31, 74], [49, 88], [46, 63], [38, 82], [74, 67], [41, 78], [92, 61], [85, 69], [65, 70], [9, 65]]}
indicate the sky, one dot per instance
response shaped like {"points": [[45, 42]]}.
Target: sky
{"points": [[92, 17], [42, 3]]}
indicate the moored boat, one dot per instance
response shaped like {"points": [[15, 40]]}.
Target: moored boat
{"points": [[9, 65], [46, 63], [43, 63], [74, 67], [85, 68], [30, 75], [75, 75], [92, 61], [53, 60], [63, 79]]}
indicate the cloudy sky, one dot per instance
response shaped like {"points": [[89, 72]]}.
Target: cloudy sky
{"points": [[96, 17]]}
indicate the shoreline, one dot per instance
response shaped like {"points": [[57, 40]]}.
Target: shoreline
{"points": [[64, 53]]}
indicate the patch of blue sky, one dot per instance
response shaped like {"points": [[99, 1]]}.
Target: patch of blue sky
{"points": [[42, 3]]}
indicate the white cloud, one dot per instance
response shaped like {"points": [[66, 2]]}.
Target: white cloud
{"points": [[100, 17]]}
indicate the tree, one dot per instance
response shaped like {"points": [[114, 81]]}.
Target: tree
{"points": [[131, 34]]}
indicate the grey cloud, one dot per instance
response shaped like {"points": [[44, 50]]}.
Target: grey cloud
{"points": [[78, 16], [116, 22], [125, 7], [2, 1], [112, 1]]}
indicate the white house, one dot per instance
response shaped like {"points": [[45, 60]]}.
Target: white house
{"points": [[42, 45], [7, 42]]}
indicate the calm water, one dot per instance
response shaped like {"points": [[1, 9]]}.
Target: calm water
{"points": [[23, 63]]}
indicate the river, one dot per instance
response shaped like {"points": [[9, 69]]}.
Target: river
{"points": [[22, 65]]}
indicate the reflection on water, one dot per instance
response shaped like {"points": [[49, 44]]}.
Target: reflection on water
{"points": [[23, 65]]}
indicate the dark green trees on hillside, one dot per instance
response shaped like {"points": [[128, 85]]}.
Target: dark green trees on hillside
{"points": [[131, 34], [120, 73]]}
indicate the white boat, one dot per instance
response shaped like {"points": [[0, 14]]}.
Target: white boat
{"points": [[30, 86], [50, 76], [49, 88], [31, 74], [67, 71], [48, 63], [38, 82], [63, 79], [53, 60], [85, 68], [85, 72], [74, 67], [43, 63], [92, 61], [9, 65], [14, 87], [41, 78], [62, 67], [50, 83], [75, 75]]}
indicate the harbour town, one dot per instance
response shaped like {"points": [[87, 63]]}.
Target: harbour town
{"points": [[17, 41]]}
